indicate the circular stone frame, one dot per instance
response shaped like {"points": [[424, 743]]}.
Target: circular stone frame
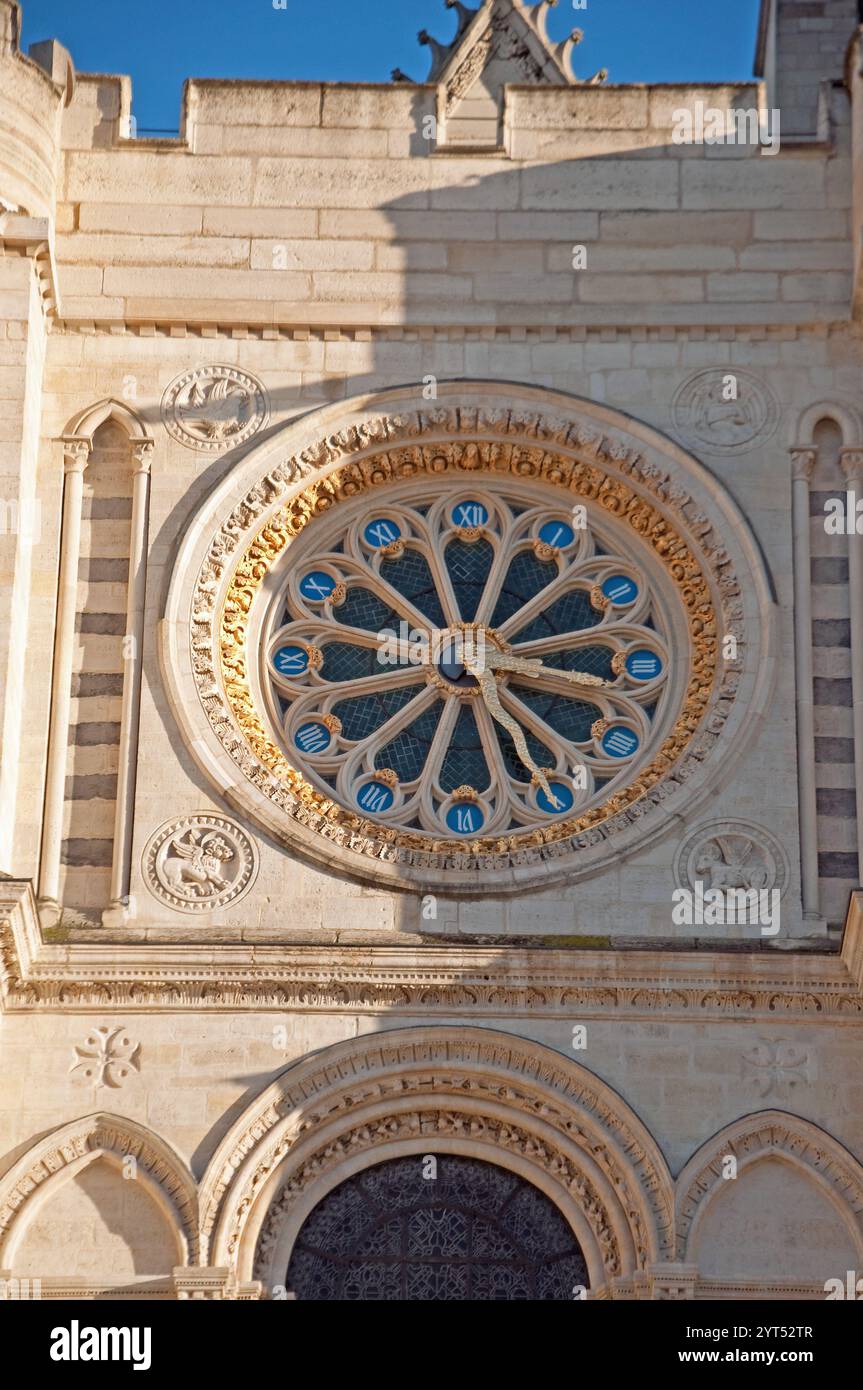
{"points": [[588, 451]]}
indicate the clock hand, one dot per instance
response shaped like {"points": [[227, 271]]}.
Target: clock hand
{"points": [[533, 666], [488, 690]]}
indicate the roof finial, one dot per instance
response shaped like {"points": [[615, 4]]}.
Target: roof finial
{"points": [[465, 16], [440, 53]]}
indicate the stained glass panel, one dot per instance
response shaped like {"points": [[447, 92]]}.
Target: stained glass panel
{"points": [[473, 1231]]}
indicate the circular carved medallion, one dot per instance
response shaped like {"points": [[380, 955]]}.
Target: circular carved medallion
{"points": [[725, 412], [201, 863], [214, 407], [732, 854]]}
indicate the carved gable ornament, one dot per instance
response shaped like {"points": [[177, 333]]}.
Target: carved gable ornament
{"points": [[502, 42], [271, 524]]}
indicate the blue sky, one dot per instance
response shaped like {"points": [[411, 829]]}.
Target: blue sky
{"points": [[162, 42]]}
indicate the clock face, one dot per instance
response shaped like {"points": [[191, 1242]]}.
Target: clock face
{"points": [[461, 657]]}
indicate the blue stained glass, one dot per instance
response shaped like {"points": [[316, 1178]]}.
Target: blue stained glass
{"points": [[291, 661], [469, 567], [317, 586], [381, 532], [312, 737], [411, 576], [363, 609], [557, 533], [525, 578], [619, 741], [569, 718], [361, 715], [345, 662], [643, 665], [562, 793], [464, 763], [406, 754], [593, 660], [620, 589], [572, 612], [469, 513], [465, 818], [375, 797]]}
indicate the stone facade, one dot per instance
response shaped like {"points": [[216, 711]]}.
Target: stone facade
{"points": [[223, 995]]}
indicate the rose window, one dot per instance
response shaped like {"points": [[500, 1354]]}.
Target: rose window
{"points": [[465, 657]]}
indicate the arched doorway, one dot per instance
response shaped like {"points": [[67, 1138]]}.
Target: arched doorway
{"points": [[436, 1227]]}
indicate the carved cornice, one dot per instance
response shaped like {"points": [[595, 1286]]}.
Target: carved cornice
{"points": [[180, 972]]}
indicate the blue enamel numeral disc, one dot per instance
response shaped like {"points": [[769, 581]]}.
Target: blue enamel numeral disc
{"points": [[317, 586], [375, 797], [465, 819], [469, 514], [557, 533], [643, 665], [381, 532], [313, 737], [620, 589], [562, 794], [619, 742], [291, 661]]}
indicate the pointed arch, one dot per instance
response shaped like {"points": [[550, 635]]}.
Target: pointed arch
{"points": [[85, 424], [64, 1153], [754, 1138]]}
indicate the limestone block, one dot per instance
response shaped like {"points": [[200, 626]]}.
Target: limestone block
{"points": [[135, 217], [618, 183], [105, 250], [798, 255], [401, 224], [337, 183], [633, 257], [389, 287], [513, 259], [587, 108], [641, 289], [825, 288], [762, 183], [744, 286], [418, 255], [260, 222], [548, 226], [357, 107], [167, 178], [312, 255], [503, 288], [302, 142], [216, 102], [215, 284], [801, 225]]}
